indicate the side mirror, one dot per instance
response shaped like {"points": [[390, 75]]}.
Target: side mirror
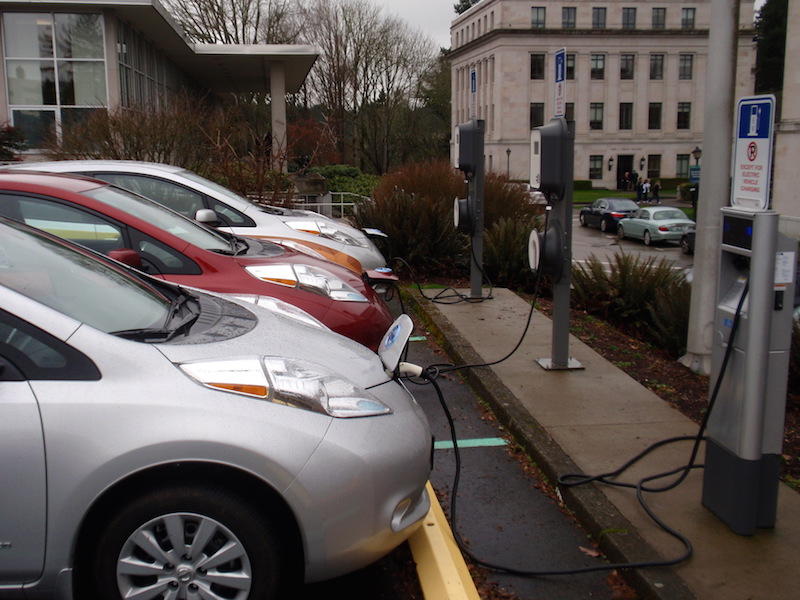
{"points": [[127, 256], [206, 216]]}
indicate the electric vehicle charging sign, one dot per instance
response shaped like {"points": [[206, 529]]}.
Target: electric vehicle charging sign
{"points": [[752, 163], [561, 76], [473, 93]]}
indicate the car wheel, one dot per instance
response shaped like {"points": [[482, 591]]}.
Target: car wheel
{"points": [[604, 226], [685, 245], [582, 220], [647, 239], [620, 232], [186, 541]]}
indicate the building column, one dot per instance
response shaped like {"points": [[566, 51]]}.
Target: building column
{"points": [[785, 198], [277, 91]]}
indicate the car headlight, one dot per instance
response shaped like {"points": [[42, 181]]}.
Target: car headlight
{"points": [[287, 381], [280, 307], [311, 279], [327, 230]]}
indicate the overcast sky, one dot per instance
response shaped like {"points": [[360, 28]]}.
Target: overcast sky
{"points": [[431, 16]]}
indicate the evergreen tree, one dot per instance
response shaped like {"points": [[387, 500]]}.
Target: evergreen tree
{"points": [[464, 5], [771, 39]]}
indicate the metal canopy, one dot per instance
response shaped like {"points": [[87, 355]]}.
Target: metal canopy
{"points": [[218, 67]]}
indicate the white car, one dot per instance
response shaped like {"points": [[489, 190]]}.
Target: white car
{"points": [[195, 196]]}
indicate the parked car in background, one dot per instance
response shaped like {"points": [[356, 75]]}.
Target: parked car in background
{"points": [[687, 241], [655, 224], [605, 213], [188, 193], [164, 243], [163, 442]]}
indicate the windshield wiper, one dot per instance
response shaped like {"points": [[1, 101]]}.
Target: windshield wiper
{"points": [[164, 333]]}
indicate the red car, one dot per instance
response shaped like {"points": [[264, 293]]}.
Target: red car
{"points": [[165, 244]]}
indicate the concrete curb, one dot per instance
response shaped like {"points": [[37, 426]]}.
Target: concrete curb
{"points": [[616, 535], [443, 574]]}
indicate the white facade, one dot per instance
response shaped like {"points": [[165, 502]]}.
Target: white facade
{"points": [[633, 74]]}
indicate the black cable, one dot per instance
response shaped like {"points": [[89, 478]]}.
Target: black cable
{"points": [[431, 373]]}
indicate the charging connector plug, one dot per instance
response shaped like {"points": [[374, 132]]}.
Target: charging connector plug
{"points": [[405, 369]]}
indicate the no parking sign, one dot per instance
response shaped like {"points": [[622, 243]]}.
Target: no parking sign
{"points": [[752, 162]]}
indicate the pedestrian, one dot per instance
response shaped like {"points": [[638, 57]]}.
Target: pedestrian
{"points": [[626, 182], [657, 192], [639, 189], [646, 190]]}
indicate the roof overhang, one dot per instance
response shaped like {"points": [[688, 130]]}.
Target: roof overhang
{"points": [[217, 67]]}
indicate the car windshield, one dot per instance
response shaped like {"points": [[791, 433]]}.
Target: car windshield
{"points": [[75, 284], [624, 205], [225, 192], [665, 215], [158, 216]]}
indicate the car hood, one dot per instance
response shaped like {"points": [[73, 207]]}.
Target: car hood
{"points": [[277, 335]]}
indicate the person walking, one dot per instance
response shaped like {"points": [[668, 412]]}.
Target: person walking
{"points": [[657, 192], [646, 190], [639, 186]]}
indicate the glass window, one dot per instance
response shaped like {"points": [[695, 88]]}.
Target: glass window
{"points": [[685, 66], [596, 115], [537, 114], [598, 18], [629, 18], [36, 125], [570, 66], [568, 17], [31, 82], [28, 35], [79, 36], [598, 62], [569, 112], [682, 165], [82, 83], [596, 166], [687, 18], [656, 66], [538, 17], [626, 115], [171, 195], [537, 66], [684, 115], [654, 115], [653, 166], [626, 66], [659, 18]]}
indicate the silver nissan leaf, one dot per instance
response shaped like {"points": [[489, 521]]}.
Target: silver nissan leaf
{"points": [[162, 442]]}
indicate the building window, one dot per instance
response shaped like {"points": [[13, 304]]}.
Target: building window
{"points": [[596, 115], [569, 113], [570, 66], [656, 66], [596, 166], [537, 114], [684, 115], [682, 165], [629, 18], [626, 115], [537, 66], [687, 18], [626, 64], [598, 18], [568, 17], [653, 166], [55, 70], [659, 18], [685, 64], [598, 66], [654, 115], [538, 17]]}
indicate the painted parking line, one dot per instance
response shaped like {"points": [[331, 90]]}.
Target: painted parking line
{"points": [[417, 338], [474, 443]]}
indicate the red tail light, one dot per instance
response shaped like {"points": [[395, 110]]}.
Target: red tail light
{"points": [[617, 215], [663, 228]]}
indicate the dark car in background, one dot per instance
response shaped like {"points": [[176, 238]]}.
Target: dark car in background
{"points": [[687, 242], [605, 213]]}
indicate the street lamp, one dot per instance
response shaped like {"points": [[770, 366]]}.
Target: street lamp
{"points": [[508, 163], [610, 162], [696, 154]]}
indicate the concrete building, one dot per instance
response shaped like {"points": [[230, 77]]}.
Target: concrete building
{"points": [[635, 80], [60, 60]]}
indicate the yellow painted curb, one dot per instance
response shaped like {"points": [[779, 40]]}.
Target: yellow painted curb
{"points": [[442, 572]]}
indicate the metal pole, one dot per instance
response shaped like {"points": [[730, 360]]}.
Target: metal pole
{"points": [[476, 193], [715, 191]]}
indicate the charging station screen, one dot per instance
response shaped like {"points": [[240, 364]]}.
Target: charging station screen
{"points": [[737, 232]]}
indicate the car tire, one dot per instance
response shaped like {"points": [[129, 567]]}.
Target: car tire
{"points": [[685, 245], [582, 220], [648, 241], [620, 233], [136, 547], [604, 226]]}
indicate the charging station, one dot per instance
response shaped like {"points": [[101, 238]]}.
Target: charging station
{"points": [[468, 212]]}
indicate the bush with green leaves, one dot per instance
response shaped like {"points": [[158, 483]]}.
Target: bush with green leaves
{"points": [[346, 178], [638, 294], [505, 252]]}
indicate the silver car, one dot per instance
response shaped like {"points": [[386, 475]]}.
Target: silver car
{"points": [[163, 442], [192, 195]]}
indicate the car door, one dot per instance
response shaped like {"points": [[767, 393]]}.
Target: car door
{"points": [[23, 504], [638, 223]]}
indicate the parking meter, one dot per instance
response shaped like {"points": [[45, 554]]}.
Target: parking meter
{"points": [[745, 428]]}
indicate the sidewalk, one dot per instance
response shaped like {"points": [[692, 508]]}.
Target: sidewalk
{"points": [[592, 421]]}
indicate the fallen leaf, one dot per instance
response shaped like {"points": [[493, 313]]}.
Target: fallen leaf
{"points": [[589, 551]]}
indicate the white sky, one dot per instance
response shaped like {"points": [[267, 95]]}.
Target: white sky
{"points": [[433, 17]]}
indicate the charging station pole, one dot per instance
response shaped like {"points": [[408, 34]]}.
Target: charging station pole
{"points": [[468, 213]]}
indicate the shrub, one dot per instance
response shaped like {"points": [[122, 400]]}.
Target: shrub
{"points": [[345, 178], [12, 142], [685, 192], [505, 252], [582, 184], [669, 314]]}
